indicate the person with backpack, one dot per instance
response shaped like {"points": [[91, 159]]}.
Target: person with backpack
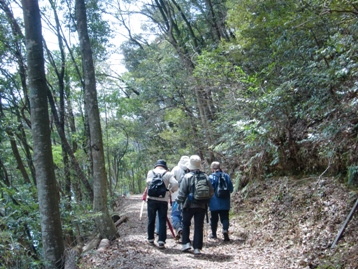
{"points": [[160, 182], [220, 202], [194, 195], [179, 172]]}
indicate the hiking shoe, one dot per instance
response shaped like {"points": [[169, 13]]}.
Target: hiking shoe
{"points": [[197, 251], [178, 235], [186, 247], [161, 244], [213, 236], [226, 236], [151, 241]]}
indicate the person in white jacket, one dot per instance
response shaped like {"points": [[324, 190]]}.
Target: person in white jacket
{"points": [[179, 172], [159, 205]]}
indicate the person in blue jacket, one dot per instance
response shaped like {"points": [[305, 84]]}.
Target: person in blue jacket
{"points": [[219, 207]]}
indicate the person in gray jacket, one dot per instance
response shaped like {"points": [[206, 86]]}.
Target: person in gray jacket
{"points": [[192, 209], [159, 204], [179, 172]]}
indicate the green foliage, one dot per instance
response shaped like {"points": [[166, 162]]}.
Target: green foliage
{"points": [[301, 58], [20, 225], [173, 132], [352, 175], [57, 156], [271, 90]]}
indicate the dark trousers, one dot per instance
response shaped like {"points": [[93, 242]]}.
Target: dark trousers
{"points": [[199, 215], [214, 219], [154, 207]]}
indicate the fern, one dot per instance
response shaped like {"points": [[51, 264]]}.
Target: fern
{"points": [[352, 174]]}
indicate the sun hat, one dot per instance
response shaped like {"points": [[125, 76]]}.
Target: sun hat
{"points": [[161, 163], [183, 162], [194, 162]]}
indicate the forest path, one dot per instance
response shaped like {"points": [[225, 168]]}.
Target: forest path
{"points": [[131, 250]]}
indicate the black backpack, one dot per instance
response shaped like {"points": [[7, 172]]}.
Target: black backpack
{"points": [[200, 188], [222, 190], [157, 187]]}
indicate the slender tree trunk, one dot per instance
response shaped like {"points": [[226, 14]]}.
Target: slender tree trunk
{"points": [[53, 246], [104, 222], [67, 147], [17, 156], [76, 187], [21, 114], [110, 182], [21, 136], [16, 30]]}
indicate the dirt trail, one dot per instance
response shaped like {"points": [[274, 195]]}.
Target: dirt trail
{"points": [[275, 224], [132, 251]]}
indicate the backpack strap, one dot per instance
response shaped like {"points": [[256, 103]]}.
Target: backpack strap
{"points": [[156, 174], [217, 181], [192, 182]]}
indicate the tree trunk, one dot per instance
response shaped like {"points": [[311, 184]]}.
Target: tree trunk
{"points": [[53, 246], [104, 222], [15, 151], [67, 147], [20, 113]]}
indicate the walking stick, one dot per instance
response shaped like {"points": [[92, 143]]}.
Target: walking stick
{"points": [[170, 227], [168, 221], [144, 198], [345, 224]]}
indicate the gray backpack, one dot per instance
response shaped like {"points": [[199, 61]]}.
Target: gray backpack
{"points": [[200, 189]]}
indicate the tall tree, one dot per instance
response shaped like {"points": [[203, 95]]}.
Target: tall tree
{"points": [[190, 27], [104, 222], [46, 182]]}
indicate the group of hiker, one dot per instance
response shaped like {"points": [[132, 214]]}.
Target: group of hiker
{"points": [[191, 193]]}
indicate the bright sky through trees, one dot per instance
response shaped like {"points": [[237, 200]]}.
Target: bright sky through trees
{"points": [[130, 15]]}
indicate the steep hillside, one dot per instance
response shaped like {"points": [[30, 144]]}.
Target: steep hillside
{"points": [[300, 218]]}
